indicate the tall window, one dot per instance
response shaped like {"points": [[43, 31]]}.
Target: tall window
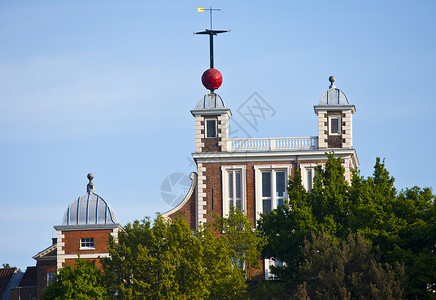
{"points": [[309, 179], [211, 128], [273, 189], [335, 125], [270, 187], [307, 175], [50, 277], [233, 188], [87, 243]]}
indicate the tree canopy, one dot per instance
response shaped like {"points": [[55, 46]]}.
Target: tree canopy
{"points": [[166, 260], [401, 226], [81, 281]]}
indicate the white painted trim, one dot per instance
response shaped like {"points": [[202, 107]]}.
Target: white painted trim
{"points": [[225, 184], [40, 255], [86, 227], [87, 248], [201, 195], [335, 117], [303, 169], [258, 169], [253, 156], [85, 255]]}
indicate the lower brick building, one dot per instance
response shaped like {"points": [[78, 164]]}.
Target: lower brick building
{"points": [[252, 173], [87, 224]]}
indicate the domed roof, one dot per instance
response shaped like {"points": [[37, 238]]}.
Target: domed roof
{"points": [[333, 96], [89, 209], [210, 101]]}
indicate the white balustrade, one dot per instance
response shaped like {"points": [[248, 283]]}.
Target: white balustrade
{"points": [[273, 144]]}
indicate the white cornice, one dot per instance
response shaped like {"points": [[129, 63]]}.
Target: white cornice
{"points": [[213, 112], [86, 227], [41, 254], [334, 107], [255, 156]]}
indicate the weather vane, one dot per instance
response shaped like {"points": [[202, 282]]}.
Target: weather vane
{"points": [[210, 31]]}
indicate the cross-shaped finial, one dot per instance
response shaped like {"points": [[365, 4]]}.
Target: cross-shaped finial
{"points": [[210, 31]]}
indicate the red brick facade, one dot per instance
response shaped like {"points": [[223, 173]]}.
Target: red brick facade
{"points": [[214, 189], [187, 212], [72, 240]]}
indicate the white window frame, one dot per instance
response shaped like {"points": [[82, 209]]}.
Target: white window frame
{"points": [[85, 244], [339, 125], [225, 187], [268, 262], [258, 169], [304, 169], [206, 126]]}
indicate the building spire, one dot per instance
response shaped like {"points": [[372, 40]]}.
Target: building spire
{"points": [[212, 78], [90, 186], [210, 32]]}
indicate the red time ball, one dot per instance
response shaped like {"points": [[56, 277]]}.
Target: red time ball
{"points": [[212, 79]]}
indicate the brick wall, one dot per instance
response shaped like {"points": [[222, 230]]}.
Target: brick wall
{"points": [[72, 240], [43, 267], [188, 212]]}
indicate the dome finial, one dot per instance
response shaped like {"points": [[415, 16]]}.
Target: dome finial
{"points": [[332, 80], [90, 186]]}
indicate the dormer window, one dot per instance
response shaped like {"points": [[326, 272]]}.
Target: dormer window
{"points": [[211, 128], [87, 244], [335, 125]]}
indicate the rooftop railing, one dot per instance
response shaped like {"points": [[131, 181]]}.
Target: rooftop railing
{"points": [[273, 144]]}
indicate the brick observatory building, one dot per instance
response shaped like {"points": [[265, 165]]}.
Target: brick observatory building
{"points": [[252, 173], [84, 231]]}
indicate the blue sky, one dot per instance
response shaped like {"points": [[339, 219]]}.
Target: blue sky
{"points": [[106, 87]]}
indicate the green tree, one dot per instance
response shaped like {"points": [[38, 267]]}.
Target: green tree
{"points": [[347, 270], [245, 244], [166, 260], [401, 225], [82, 281]]}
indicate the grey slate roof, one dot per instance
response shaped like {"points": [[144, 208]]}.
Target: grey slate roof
{"points": [[89, 209], [334, 96], [210, 101]]}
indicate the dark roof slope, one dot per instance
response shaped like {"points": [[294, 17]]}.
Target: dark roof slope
{"points": [[5, 276], [29, 278]]}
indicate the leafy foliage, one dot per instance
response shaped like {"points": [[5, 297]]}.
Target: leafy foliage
{"points": [[346, 271], [244, 244], [167, 260], [401, 226], [82, 281]]}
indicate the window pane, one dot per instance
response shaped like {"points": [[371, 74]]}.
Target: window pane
{"points": [[279, 202], [309, 179], [87, 243], [211, 128], [280, 184], [231, 185], [266, 206], [266, 184], [238, 204], [334, 122], [50, 277], [238, 184]]}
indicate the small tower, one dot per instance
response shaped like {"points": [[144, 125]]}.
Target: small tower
{"points": [[85, 229], [211, 117], [334, 113]]}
